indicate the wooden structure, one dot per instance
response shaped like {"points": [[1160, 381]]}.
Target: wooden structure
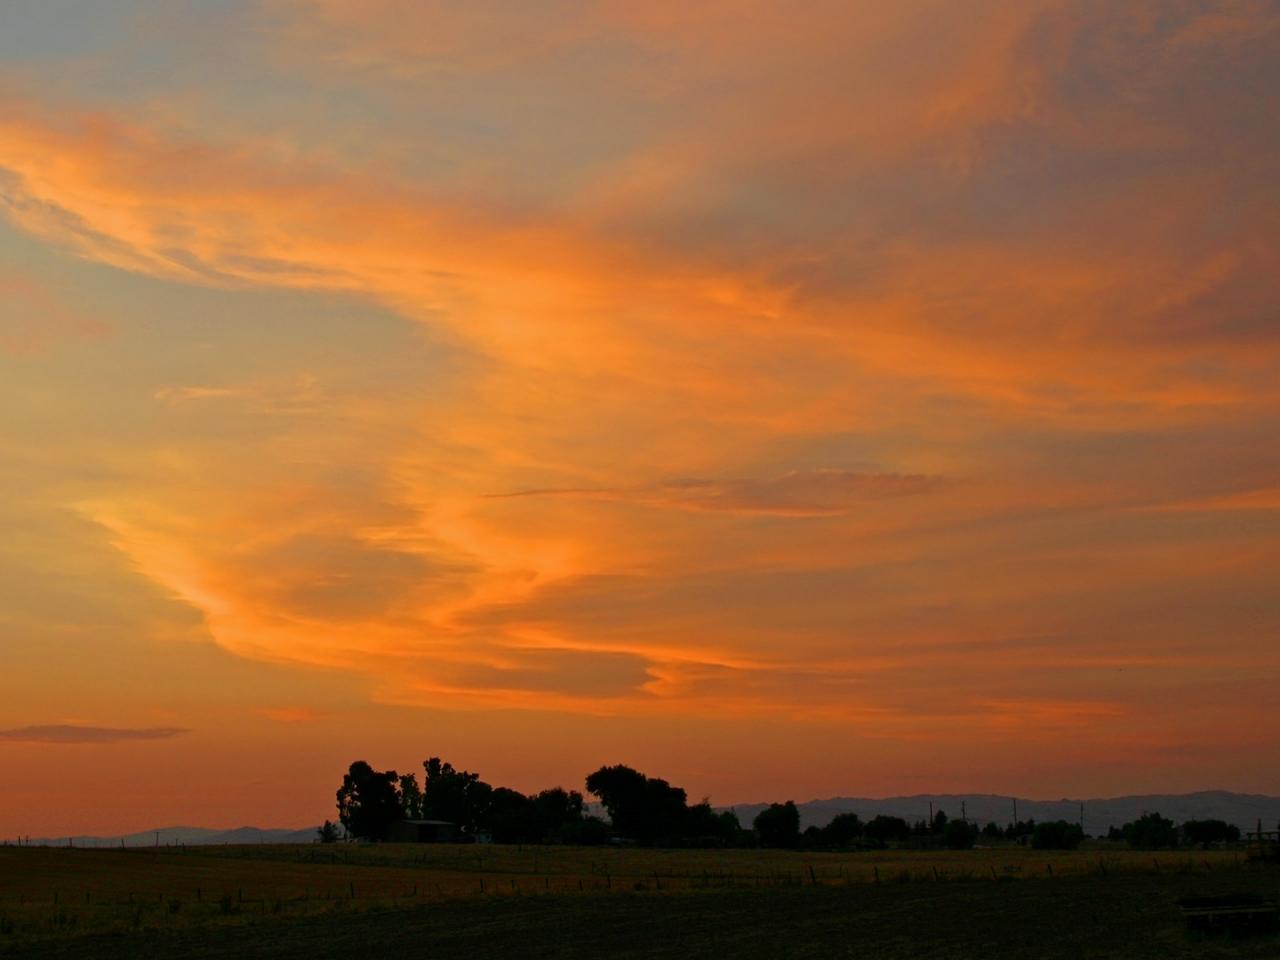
{"points": [[424, 831], [1235, 914], [1264, 845]]}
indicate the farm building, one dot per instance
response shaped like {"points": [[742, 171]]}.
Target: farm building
{"points": [[424, 831]]}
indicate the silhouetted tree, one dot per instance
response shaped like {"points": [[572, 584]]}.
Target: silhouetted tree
{"points": [[1057, 835], [882, 828], [1023, 828], [842, 831], [778, 825], [641, 808], [1151, 832], [513, 817], [704, 827], [410, 797], [1205, 832], [458, 796], [622, 790], [558, 811], [958, 834], [992, 831], [939, 824], [328, 832], [369, 801]]}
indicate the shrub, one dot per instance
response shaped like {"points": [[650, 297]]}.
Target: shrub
{"points": [[1056, 835], [1151, 832]]}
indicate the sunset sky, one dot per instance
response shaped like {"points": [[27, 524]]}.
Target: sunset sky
{"points": [[787, 399]]}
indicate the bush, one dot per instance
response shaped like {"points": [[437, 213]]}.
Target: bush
{"points": [[1151, 832], [779, 825], [1057, 835], [843, 830], [587, 832], [1205, 832], [959, 835], [883, 828]]}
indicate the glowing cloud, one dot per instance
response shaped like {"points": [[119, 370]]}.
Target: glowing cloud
{"points": [[60, 733], [905, 370]]}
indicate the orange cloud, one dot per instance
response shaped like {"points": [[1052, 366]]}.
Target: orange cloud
{"points": [[837, 259], [64, 733]]}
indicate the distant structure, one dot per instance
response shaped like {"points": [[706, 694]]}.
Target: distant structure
{"points": [[1264, 844], [424, 831]]}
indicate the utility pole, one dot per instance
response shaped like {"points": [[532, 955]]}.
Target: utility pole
{"points": [[963, 816]]}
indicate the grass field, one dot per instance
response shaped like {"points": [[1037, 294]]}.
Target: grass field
{"points": [[552, 901]]}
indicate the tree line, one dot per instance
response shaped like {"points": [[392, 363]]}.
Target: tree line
{"points": [[649, 811]]}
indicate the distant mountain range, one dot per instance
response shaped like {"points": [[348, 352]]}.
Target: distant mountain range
{"points": [[1242, 809]]}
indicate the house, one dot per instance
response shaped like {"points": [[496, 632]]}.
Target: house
{"points": [[424, 831]]}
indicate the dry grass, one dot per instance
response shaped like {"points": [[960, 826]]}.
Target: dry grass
{"points": [[50, 893]]}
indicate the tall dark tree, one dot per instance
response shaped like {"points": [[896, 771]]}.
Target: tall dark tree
{"points": [[410, 797], [1151, 832], [458, 796], [778, 825], [882, 828], [622, 791], [959, 835], [843, 829], [513, 817], [641, 808], [369, 801], [558, 811], [705, 827]]}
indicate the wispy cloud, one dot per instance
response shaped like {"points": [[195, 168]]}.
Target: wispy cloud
{"points": [[689, 262], [75, 734], [807, 493]]}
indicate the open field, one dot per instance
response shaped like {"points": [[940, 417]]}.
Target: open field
{"points": [[511, 901]]}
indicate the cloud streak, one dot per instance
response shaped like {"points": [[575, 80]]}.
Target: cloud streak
{"points": [[750, 362], [67, 733], [815, 493]]}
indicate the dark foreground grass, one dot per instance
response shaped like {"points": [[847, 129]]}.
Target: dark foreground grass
{"points": [[1131, 917]]}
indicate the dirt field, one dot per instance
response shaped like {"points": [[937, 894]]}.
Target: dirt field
{"points": [[358, 901]]}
